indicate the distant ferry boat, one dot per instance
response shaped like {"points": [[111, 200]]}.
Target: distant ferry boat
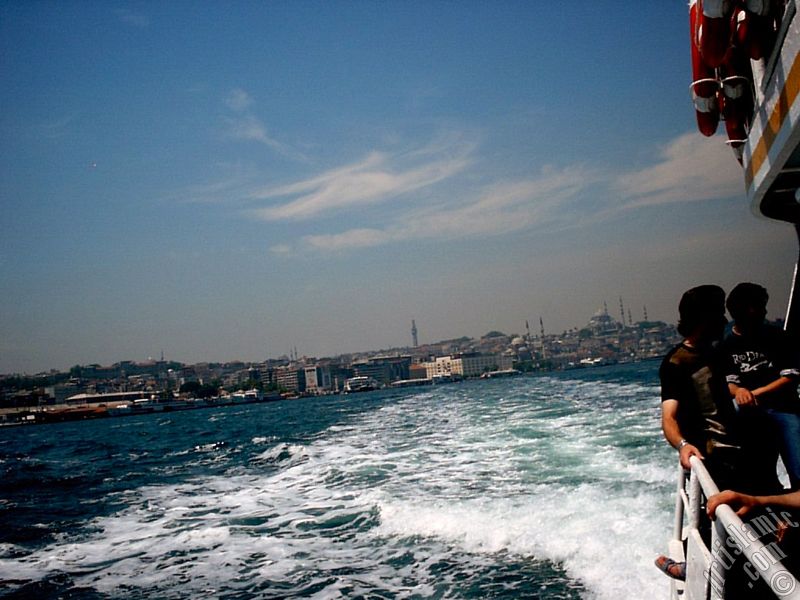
{"points": [[501, 373], [252, 395], [402, 383], [360, 384]]}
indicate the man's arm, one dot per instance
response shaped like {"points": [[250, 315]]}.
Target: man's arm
{"points": [[744, 503], [672, 432], [745, 397], [774, 386], [785, 357]]}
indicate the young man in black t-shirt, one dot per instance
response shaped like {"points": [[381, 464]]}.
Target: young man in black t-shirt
{"points": [[695, 417]]}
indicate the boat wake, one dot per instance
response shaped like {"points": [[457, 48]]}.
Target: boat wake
{"points": [[519, 488]]}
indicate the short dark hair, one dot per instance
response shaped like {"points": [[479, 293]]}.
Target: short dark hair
{"points": [[698, 305], [744, 296]]}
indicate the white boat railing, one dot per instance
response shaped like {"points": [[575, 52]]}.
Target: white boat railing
{"points": [[708, 564]]}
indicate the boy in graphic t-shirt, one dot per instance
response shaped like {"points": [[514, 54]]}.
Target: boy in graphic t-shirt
{"points": [[762, 373]]}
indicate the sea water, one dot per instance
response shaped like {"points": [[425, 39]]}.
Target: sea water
{"points": [[546, 486]]}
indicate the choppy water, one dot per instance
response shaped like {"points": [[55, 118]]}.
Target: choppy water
{"points": [[531, 487]]}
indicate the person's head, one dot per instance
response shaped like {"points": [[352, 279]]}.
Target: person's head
{"points": [[702, 313], [747, 304]]}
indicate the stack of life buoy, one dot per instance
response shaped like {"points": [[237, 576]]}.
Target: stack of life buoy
{"points": [[725, 36]]}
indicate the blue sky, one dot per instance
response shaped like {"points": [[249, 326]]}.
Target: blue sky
{"points": [[230, 180]]}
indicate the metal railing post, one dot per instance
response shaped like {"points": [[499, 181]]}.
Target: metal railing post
{"points": [[762, 561], [677, 530]]}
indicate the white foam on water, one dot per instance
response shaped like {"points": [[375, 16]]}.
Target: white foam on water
{"points": [[606, 543], [536, 470], [294, 452], [604, 532]]}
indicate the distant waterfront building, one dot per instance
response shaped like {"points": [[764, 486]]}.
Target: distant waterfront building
{"points": [[383, 369], [469, 364], [339, 374], [238, 377], [418, 371], [473, 365], [441, 366], [184, 376], [291, 379], [60, 392], [266, 375], [318, 379]]}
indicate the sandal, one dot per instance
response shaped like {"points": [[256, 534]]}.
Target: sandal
{"points": [[676, 570]]}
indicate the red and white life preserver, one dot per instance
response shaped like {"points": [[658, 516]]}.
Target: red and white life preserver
{"points": [[713, 30], [736, 90], [704, 82], [755, 28], [736, 98], [725, 36]]}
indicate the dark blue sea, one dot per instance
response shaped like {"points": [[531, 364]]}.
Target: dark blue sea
{"points": [[548, 486]]}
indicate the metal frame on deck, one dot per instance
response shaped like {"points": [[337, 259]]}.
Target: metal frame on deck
{"points": [[707, 565], [771, 155]]}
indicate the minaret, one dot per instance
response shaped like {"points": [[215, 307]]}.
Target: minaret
{"points": [[414, 333], [544, 349], [630, 319], [645, 313], [621, 312]]}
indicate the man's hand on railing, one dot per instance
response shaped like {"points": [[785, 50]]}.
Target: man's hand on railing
{"points": [[686, 452], [741, 503]]}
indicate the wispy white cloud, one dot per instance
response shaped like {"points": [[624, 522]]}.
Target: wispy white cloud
{"points": [[248, 127], [352, 239], [245, 125], [688, 169], [441, 191], [58, 127], [238, 100], [372, 180], [132, 18], [501, 208], [227, 188], [281, 249], [691, 168]]}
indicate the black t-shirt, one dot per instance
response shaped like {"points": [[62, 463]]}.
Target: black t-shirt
{"points": [[705, 411], [755, 360]]}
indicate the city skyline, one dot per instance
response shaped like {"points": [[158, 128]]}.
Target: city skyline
{"points": [[293, 355], [230, 182]]}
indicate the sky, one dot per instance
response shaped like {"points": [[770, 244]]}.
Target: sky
{"points": [[232, 180]]}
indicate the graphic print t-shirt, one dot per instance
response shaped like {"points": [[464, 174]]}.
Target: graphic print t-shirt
{"points": [[755, 360]]}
